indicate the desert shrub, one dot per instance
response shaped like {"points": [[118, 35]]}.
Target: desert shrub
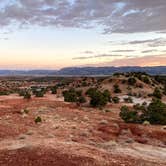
{"points": [[157, 93], [91, 91], [79, 93], [84, 84], [38, 119], [26, 111], [98, 99], [117, 89], [128, 100], [164, 91], [115, 99], [145, 79], [82, 99], [132, 81], [27, 95], [70, 95], [123, 81], [156, 112], [54, 89], [39, 94], [21, 92], [107, 94], [129, 116], [38, 91], [4, 93]]}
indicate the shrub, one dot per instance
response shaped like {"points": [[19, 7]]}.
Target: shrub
{"points": [[117, 89], [98, 99], [4, 93], [157, 93], [132, 81], [91, 91], [70, 95], [27, 95], [38, 119], [128, 100], [115, 99], [127, 115], [54, 90], [107, 94], [39, 94], [82, 99], [156, 112], [145, 79], [164, 90]]}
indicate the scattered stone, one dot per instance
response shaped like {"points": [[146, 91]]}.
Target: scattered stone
{"points": [[22, 137], [104, 122], [86, 118], [30, 133], [146, 123]]}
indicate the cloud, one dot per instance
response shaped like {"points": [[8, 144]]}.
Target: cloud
{"points": [[149, 51], [123, 51], [96, 56], [156, 60], [115, 16], [88, 52]]}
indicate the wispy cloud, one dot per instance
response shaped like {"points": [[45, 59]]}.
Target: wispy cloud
{"points": [[127, 16], [149, 51], [95, 56], [122, 51]]}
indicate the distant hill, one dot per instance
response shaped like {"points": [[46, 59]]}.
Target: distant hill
{"points": [[86, 71]]}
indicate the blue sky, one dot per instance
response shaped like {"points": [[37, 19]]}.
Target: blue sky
{"points": [[53, 34]]}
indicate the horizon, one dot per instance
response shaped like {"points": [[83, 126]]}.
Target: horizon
{"points": [[51, 35], [79, 67]]}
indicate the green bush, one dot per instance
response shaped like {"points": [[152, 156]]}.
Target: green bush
{"points": [[91, 91], [117, 89], [82, 99], [70, 95], [54, 90], [128, 116], [39, 94], [107, 94], [38, 119], [128, 100], [98, 99], [27, 95], [155, 113], [132, 81], [157, 93], [115, 99]]}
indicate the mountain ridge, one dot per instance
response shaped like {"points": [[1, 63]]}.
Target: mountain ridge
{"points": [[157, 70]]}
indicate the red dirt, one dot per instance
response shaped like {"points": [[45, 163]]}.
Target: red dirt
{"points": [[74, 136]]}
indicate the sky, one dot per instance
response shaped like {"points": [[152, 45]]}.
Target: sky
{"points": [[53, 34]]}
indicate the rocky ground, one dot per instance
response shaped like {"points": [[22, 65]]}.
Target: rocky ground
{"points": [[74, 136]]}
